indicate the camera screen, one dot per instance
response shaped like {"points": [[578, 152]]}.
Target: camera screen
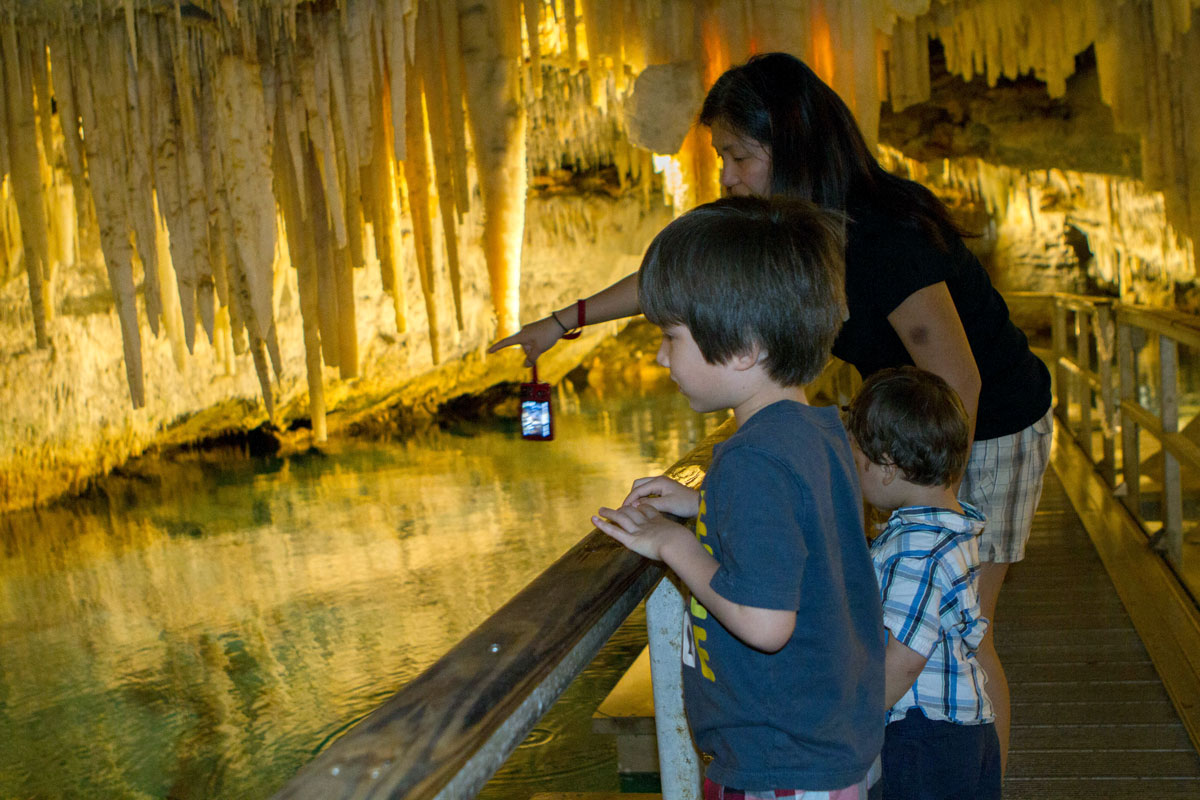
{"points": [[535, 418]]}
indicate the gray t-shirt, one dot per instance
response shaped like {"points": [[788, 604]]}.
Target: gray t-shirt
{"points": [[780, 511]]}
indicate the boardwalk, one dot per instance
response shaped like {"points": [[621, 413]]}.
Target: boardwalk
{"points": [[1090, 716]]}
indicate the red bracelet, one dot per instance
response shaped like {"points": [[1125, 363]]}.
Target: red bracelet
{"points": [[573, 333]]}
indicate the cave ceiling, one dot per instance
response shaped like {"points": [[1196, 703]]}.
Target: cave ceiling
{"points": [[195, 144]]}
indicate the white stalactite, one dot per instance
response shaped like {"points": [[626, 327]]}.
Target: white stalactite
{"points": [[491, 51], [175, 126], [246, 170], [23, 159]]}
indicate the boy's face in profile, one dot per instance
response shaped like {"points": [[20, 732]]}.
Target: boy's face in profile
{"points": [[706, 386]]}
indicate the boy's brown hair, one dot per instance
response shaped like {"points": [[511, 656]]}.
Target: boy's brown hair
{"points": [[912, 419], [746, 271]]}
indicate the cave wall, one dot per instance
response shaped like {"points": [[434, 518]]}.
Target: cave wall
{"points": [[219, 212], [66, 415]]}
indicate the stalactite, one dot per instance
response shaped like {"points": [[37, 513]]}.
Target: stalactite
{"points": [[189, 217], [302, 248], [108, 166], [491, 48], [908, 66], [142, 93], [345, 137], [358, 75], [380, 201], [168, 292], [323, 250], [396, 25], [206, 204], [68, 118], [343, 282], [23, 162], [314, 85], [164, 133], [416, 187], [450, 53], [571, 21], [366, 103], [532, 11], [438, 101], [245, 152]]}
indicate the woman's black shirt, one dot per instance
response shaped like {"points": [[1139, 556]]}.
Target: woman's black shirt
{"points": [[886, 262]]}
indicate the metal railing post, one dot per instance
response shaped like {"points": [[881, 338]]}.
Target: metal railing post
{"points": [[678, 762], [1168, 358]]}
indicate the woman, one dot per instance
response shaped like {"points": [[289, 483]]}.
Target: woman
{"points": [[916, 296]]}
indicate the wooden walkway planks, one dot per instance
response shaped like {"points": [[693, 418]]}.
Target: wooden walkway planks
{"points": [[1090, 715]]}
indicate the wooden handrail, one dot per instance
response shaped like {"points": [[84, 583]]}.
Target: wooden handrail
{"points": [[1183, 448], [447, 731], [423, 738], [1077, 385], [1184, 328], [1091, 377], [1075, 302]]}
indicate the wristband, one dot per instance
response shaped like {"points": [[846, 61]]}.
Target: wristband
{"points": [[573, 333], [554, 317]]}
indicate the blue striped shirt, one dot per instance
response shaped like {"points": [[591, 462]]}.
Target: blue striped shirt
{"points": [[926, 560]]}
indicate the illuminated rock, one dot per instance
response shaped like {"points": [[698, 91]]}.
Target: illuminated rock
{"points": [[401, 137], [662, 106]]}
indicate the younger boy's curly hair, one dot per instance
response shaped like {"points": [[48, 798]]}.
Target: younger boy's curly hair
{"points": [[912, 419]]}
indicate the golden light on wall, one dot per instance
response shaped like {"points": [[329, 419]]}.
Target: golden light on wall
{"points": [[198, 142]]}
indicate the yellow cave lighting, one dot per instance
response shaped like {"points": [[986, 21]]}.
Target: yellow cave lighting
{"points": [[168, 138]]}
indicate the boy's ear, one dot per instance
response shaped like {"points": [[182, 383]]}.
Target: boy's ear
{"points": [[890, 472], [753, 355]]}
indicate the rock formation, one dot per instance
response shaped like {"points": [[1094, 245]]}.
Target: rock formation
{"points": [[234, 164]]}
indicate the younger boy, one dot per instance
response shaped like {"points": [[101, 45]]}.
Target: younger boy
{"points": [[911, 443], [783, 650]]}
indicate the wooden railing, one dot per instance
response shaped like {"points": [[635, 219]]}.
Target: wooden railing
{"points": [[1102, 398], [1130, 468]]}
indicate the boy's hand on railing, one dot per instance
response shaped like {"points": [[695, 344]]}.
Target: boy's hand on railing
{"points": [[665, 495], [535, 338], [642, 529]]}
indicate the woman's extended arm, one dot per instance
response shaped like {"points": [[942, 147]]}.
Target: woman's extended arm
{"points": [[929, 326], [617, 301]]}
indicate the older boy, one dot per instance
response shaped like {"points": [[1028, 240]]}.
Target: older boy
{"points": [[783, 648], [911, 441]]}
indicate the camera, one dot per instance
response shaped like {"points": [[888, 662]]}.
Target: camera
{"points": [[537, 422]]}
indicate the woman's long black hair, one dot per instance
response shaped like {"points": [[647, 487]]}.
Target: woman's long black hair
{"points": [[818, 152]]}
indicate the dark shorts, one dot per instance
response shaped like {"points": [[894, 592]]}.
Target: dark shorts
{"points": [[926, 759]]}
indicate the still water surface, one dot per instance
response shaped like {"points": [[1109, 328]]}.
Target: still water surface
{"points": [[202, 628]]}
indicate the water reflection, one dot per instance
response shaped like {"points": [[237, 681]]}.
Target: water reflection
{"points": [[201, 629]]}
